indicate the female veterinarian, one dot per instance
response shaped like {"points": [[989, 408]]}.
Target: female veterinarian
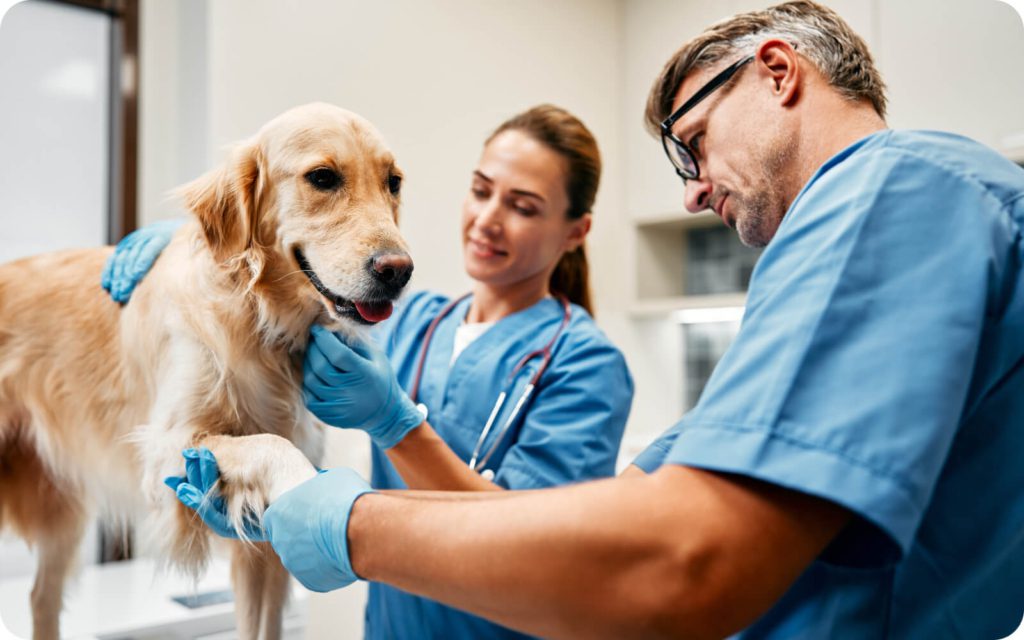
{"points": [[509, 387]]}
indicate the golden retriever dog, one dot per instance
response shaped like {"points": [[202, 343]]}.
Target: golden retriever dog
{"points": [[97, 401]]}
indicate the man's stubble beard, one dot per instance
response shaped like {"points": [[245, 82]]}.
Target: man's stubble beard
{"points": [[761, 213]]}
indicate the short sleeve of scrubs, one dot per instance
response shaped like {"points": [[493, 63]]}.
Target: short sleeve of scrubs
{"points": [[575, 422], [851, 368], [654, 455]]}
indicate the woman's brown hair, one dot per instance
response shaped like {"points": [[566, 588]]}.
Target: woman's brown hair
{"points": [[564, 134]]}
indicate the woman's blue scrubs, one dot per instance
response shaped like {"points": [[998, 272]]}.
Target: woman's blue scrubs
{"points": [[569, 430]]}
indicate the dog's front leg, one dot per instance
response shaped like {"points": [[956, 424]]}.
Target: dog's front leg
{"points": [[260, 584], [254, 471], [174, 528]]}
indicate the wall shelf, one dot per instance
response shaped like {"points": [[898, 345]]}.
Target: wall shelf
{"points": [[675, 220], [655, 307], [687, 260]]}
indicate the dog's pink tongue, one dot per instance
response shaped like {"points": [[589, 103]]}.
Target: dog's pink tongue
{"points": [[374, 311]]}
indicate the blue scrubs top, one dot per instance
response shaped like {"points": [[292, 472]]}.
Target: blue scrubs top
{"points": [[880, 365], [570, 430]]}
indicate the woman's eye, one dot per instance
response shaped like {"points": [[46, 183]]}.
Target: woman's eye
{"points": [[394, 184], [323, 179], [479, 194], [524, 210]]}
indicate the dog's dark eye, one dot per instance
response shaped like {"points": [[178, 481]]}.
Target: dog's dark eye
{"points": [[323, 179], [394, 184]]}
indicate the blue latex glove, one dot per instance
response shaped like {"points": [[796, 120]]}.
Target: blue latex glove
{"points": [[308, 528], [134, 256], [353, 386], [196, 491]]}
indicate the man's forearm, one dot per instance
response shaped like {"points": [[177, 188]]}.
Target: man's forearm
{"points": [[681, 552], [576, 561]]}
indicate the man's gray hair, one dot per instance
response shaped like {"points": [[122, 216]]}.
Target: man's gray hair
{"points": [[817, 32]]}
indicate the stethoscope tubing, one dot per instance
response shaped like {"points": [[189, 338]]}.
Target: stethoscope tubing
{"points": [[475, 461], [501, 434]]}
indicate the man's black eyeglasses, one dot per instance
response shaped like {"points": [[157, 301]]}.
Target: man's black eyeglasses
{"points": [[678, 153]]}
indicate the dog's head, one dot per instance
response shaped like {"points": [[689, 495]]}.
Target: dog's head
{"points": [[309, 208]]}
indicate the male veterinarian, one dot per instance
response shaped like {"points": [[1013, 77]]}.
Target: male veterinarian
{"points": [[852, 469]]}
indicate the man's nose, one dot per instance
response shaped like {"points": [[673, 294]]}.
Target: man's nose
{"points": [[698, 195]]}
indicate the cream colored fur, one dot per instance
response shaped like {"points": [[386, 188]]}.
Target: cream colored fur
{"points": [[98, 400]]}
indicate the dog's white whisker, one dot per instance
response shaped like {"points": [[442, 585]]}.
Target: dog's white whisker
{"points": [[292, 273]]}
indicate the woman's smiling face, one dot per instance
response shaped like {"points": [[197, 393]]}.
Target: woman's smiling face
{"points": [[514, 222]]}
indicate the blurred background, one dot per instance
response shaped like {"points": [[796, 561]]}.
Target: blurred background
{"points": [[106, 105]]}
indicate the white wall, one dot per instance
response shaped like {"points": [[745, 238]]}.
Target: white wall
{"points": [[435, 77], [54, 117]]}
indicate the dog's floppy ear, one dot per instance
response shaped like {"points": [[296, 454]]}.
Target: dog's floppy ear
{"points": [[226, 201]]}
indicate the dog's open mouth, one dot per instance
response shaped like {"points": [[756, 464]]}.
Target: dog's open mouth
{"points": [[364, 311]]}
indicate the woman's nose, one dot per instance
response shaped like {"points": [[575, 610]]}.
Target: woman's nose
{"points": [[698, 195], [488, 217]]}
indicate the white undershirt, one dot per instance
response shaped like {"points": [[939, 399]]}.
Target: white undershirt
{"points": [[465, 334]]}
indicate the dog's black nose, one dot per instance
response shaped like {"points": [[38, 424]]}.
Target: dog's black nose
{"points": [[392, 270]]}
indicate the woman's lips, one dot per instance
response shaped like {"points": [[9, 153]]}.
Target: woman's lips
{"points": [[484, 250]]}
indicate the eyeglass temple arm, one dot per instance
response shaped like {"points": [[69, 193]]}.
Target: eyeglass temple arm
{"points": [[705, 91]]}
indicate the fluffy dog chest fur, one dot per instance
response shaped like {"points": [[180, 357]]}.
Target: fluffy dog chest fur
{"points": [[223, 371]]}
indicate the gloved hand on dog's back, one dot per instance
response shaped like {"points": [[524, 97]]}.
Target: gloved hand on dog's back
{"points": [[307, 526], [134, 256], [352, 385]]}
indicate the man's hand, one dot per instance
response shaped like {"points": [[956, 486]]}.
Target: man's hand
{"points": [[308, 528]]}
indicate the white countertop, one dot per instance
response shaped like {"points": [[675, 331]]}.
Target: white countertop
{"points": [[133, 599]]}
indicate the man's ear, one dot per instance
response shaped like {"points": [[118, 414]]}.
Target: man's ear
{"points": [[779, 64], [226, 202]]}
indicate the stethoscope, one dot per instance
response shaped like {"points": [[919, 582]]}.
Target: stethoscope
{"points": [[475, 460]]}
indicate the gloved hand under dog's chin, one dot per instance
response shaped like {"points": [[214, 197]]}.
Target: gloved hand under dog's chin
{"points": [[351, 385]]}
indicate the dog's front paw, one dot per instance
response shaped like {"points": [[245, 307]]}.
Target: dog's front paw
{"points": [[254, 471]]}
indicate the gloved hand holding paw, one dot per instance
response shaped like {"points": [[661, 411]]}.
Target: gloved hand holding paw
{"points": [[307, 526], [197, 491]]}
